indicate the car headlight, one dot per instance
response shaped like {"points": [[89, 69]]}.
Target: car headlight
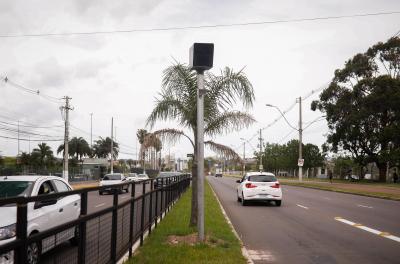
{"points": [[7, 232]]}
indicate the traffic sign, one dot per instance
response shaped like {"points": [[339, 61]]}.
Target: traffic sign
{"points": [[190, 155], [300, 162]]}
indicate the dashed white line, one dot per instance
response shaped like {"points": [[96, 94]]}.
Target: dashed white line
{"points": [[99, 205], [368, 229], [327, 198], [364, 206], [261, 255], [302, 206]]}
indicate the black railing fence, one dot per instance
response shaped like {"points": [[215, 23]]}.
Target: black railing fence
{"points": [[99, 235]]}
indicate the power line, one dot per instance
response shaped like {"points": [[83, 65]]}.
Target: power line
{"points": [[25, 139], [87, 33], [32, 126]]}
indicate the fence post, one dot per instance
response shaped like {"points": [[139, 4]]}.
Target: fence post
{"points": [[142, 215], [21, 254], [162, 198], [156, 209], [132, 217], [114, 226], [82, 230], [151, 206]]}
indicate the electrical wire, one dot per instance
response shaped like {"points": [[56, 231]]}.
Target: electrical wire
{"points": [[294, 20], [25, 139]]}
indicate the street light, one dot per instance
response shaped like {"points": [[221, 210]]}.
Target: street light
{"points": [[300, 130], [244, 155]]}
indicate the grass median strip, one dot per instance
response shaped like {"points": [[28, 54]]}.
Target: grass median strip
{"points": [[175, 242], [327, 187]]}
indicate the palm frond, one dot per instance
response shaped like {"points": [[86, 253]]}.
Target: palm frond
{"points": [[227, 122], [167, 108], [171, 135], [223, 150]]}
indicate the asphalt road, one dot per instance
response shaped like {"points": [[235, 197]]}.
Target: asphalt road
{"points": [[314, 226]]}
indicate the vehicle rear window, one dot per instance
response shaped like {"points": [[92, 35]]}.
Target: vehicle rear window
{"points": [[14, 188], [262, 178], [112, 177]]}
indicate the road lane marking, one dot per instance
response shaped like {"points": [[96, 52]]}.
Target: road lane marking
{"points": [[260, 255], [364, 206], [123, 196], [99, 205], [368, 229], [302, 206], [327, 198]]}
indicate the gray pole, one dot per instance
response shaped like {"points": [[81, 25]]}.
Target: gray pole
{"points": [[91, 130], [112, 145], [200, 154], [261, 165], [66, 135], [244, 156], [18, 139], [300, 140]]}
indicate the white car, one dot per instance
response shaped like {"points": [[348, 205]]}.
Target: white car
{"points": [[259, 186], [42, 215], [137, 177], [112, 179]]}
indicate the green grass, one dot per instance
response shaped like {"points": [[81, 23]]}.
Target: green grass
{"points": [[325, 187], [364, 182], [223, 246]]}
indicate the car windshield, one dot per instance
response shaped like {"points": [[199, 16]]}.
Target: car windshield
{"points": [[262, 178], [14, 188], [112, 177]]}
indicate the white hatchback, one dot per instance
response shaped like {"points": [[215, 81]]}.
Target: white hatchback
{"points": [[259, 186], [42, 215]]}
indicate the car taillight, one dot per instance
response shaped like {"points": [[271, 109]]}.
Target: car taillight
{"points": [[250, 185], [276, 185]]}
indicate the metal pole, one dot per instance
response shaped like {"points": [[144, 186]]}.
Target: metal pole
{"points": [[91, 130], [200, 154], [261, 165], [244, 157], [300, 140], [18, 139], [66, 135], [112, 145]]}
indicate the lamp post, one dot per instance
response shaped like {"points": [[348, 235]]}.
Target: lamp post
{"points": [[200, 59], [300, 130], [244, 155]]}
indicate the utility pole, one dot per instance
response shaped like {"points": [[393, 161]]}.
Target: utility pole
{"points": [[261, 140], [18, 139], [244, 156], [66, 135], [112, 144], [300, 141], [91, 130]]}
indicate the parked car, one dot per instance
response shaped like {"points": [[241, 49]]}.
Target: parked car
{"points": [[259, 186], [42, 215], [113, 179]]}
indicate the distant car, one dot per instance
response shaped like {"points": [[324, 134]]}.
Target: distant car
{"points": [[137, 177], [218, 172], [163, 175], [131, 176], [259, 186], [112, 179], [42, 215]]}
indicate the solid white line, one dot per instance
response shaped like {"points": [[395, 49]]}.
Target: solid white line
{"points": [[123, 196], [368, 229], [100, 205], [364, 206], [302, 206]]}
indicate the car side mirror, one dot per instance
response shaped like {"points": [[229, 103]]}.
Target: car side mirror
{"points": [[239, 181], [40, 204]]}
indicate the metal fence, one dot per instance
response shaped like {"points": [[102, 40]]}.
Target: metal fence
{"points": [[103, 235]]}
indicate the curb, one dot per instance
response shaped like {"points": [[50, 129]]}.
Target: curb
{"points": [[244, 250]]}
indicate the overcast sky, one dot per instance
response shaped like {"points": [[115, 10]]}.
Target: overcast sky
{"points": [[119, 75]]}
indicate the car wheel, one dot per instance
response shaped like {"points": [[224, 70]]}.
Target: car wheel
{"points": [[278, 202], [100, 193], [238, 198], [244, 202], [33, 253]]}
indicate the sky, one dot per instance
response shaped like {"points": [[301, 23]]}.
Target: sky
{"points": [[119, 75]]}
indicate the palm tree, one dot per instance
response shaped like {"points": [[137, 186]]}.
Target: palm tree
{"points": [[44, 153], [102, 148], [77, 147], [141, 136], [178, 102]]}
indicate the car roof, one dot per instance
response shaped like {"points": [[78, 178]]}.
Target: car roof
{"points": [[259, 173], [27, 177]]}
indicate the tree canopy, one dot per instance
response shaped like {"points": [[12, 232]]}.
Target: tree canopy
{"points": [[362, 106]]}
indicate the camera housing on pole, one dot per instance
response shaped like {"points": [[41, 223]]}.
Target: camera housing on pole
{"points": [[200, 59]]}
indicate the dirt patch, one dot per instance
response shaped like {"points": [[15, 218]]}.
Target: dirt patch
{"points": [[192, 240]]}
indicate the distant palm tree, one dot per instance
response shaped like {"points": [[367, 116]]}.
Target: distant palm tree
{"points": [[44, 153], [102, 148], [178, 102], [77, 147], [141, 136]]}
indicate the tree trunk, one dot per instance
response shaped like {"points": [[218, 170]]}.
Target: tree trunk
{"points": [[382, 171]]}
